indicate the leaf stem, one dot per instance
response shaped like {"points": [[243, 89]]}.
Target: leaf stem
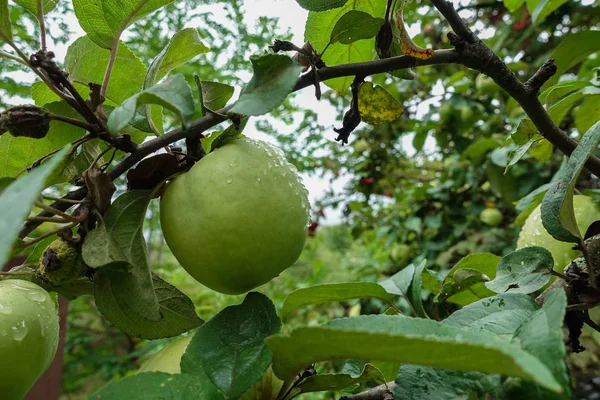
{"points": [[40, 17], [115, 47]]}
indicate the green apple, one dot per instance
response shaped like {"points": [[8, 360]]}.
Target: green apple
{"points": [[533, 232], [491, 216], [28, 336], [238, 218], [360, 146], [169, 359], [400, 253]]}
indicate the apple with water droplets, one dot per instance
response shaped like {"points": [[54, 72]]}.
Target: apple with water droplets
{"points": [[238, 217], [534, 233], [28, 336]]}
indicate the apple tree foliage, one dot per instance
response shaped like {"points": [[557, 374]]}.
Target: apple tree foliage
{"points": [[452, 124]]}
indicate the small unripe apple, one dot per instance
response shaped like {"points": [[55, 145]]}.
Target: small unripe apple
{"points": [[491, 217], [361, 146]]}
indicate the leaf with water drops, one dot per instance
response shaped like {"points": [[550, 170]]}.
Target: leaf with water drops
{"points": [[522, 271]]}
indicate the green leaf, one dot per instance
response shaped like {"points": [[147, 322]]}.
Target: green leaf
{"points": [[174, 94], [528, 139], [376, 105], [221, 138], [215, 95], [572, 50], [5, 25], [502, 314], [105, 20], [558, 215], [152, 385], [513, 5], [235, 364], [560, 109], [522, 271], [477, 150], [355, 25], [588, 113], [407, 283], [274, 78], [544, 8], [400, 282], [86, 62], [183, 47], [469, 286], [556, 92], [418, 383], [414, 293], [319, 26], [368, 377], [119, 245], [42, 95], [320, 5], [75, 164], [333, 292], [407, 340], [18, 197], [32, 5], [18, 153], [542, 336], [176, 309]]}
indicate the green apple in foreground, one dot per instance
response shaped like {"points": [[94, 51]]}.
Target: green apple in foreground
{"points": [[238, 218], [534, 233], [28, 336], [168, 360]]}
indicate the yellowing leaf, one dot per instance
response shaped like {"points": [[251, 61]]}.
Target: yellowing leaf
{"points": [[376, 105]]}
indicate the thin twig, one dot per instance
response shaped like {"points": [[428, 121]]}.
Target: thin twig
{"points": [[12, 57], [12, 44], [55, 211], [46, 235], [49, 219], [73, 202]]}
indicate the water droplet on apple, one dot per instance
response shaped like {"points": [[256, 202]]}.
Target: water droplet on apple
{"points": [[257, 179], [5, 309], [228, 179], [36, 296], [19, 331]]}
